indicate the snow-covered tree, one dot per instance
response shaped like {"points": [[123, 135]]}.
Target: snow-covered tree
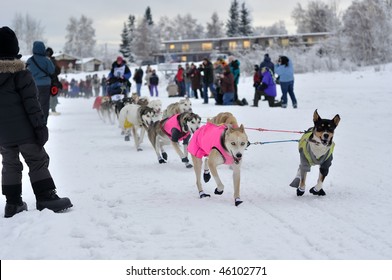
{"points": [[245, 27], [127, 39], [319, 17], [278, 28], [80, 37], [145, 41], [215, 28], [233, 23], [367, 27], [181, 27], [27, 30]]}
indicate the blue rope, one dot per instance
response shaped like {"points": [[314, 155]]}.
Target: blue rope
{"points": [[273, 142]]}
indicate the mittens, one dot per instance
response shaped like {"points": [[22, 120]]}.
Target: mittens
{"points": [[42, 135]]}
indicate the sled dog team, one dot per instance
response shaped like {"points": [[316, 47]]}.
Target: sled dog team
{"points": [[220, 141]]}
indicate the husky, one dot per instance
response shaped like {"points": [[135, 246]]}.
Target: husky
{"points": [[183, 105], [178, 127], [156, 105], [316, 148], [222, 144], [224, 118], [134, 116]]}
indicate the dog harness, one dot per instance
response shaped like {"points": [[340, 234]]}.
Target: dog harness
{"points": [[173, 123], [206, 138], [307, 157]]}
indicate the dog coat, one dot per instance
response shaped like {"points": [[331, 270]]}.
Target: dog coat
{"points": [[308, 159], [173, 123], [206, 138]]}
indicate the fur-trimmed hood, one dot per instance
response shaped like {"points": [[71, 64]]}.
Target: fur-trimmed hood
{"points": [[9, 67]]}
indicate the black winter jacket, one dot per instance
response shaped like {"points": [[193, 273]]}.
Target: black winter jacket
{"points": [[20, 111]]}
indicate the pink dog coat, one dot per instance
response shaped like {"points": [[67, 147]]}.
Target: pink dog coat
{"points": [[205, 139], [171, 123]]}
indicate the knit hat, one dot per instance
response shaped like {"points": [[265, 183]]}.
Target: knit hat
{"points": [[9, 45]]}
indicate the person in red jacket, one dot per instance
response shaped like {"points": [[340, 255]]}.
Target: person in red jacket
{"points": [[180, 80]]}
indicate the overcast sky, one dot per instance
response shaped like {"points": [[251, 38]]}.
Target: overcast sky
{"points": [[109, 16]]}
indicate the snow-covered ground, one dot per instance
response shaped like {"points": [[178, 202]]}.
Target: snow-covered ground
{"points": [[129, 207]]}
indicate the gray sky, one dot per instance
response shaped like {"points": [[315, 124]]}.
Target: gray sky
{"points": [[109, 16]]}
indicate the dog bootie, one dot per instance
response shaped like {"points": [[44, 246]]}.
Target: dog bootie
{"points": [[315, 192], [300, 192], [218, 192], [50, 200], [203, 194], [295, 182], [14, 208], [237, 201], [206, 175]]}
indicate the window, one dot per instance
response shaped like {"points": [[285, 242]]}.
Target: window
{"points": [[185, 47], [246, 44], [232, 45], [285, 42], [206, 46], [172, 47]]}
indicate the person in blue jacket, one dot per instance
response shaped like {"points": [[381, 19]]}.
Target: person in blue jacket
{"points": [[41, 68], [285, 70]]}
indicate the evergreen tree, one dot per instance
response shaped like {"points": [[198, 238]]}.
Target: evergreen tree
{"points": [[145, 41], [148, 16], [233, 21], [245, 28], [125, 48], [215, 27]]}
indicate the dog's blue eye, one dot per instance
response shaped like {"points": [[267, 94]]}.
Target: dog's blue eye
{"points": [[233, 143], [242, 143]]}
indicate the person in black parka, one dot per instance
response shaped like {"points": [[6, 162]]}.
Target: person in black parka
{"points": [[23, 131]]}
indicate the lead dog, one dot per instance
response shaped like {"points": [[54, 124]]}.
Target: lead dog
{"points": [[183, 105], [132, 117], [316, 148], [222, 144], [172, 130]]}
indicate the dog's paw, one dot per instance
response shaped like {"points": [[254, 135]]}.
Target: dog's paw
{"points": [[237, 201], [164, 155], [126, 138], [188, 165], [319, 193], [218, 192], [295, 183], [206, 176], [203, 194], [300, 192], [161, 160], [139, 149]]}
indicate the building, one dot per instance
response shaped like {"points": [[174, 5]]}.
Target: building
{"points": [[89, 64], [197, 49]]}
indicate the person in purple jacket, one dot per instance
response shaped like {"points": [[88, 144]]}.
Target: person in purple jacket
{"points": [[267, 88]]}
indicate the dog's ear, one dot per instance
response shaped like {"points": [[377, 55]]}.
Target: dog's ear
{"points": [[242, 129], [336, 120], [316, 116]]}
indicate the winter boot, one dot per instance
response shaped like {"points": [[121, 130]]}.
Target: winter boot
{"points": [[14, 203], [50, 200], [14, 208], [45, 194]]}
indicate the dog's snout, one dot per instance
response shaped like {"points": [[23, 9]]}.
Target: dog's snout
{"points": [[238, 155], [325, 135]]}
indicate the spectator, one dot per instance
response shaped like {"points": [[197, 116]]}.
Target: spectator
{"points": [[195, 80], [154, 81], [285, 70], [138, 78], [180, 80], [208, 79], [41, 68], [235, 69], [227, 86], [187, 80], [267, 88], [54, 96], [23, 131], [267, 63]]}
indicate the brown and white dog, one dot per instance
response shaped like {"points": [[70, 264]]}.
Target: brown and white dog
{"points": [[178, 127], [182, 106], [316, 147], [221, 144]]}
